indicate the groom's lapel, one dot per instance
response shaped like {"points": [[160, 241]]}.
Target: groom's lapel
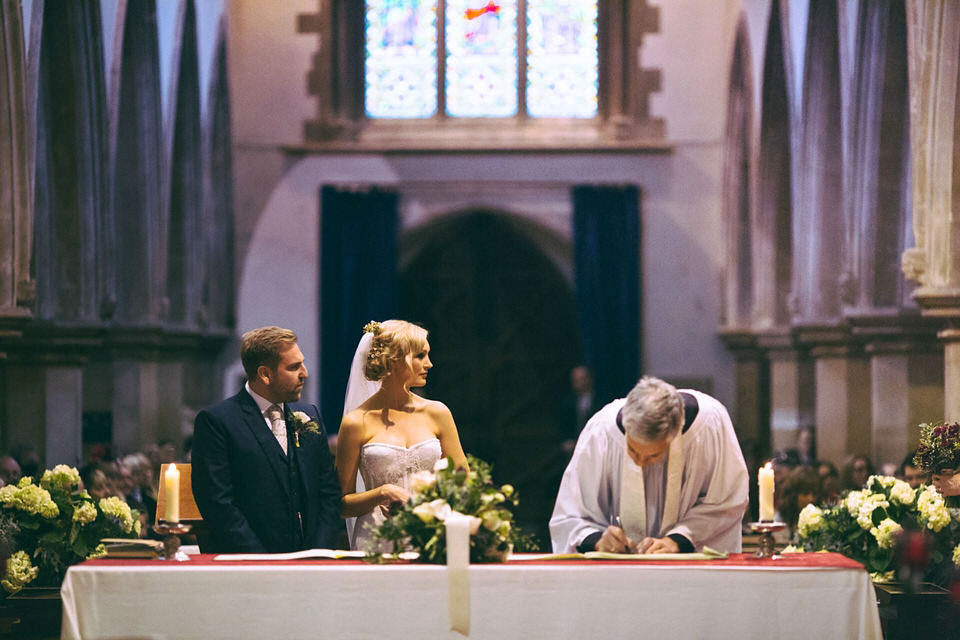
{"points": [[298, 454], [253, 420]]}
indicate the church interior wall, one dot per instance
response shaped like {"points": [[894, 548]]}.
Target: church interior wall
{"points": [[148, 360]]}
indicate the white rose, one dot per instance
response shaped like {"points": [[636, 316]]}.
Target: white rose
{"points": [[302, 416], [422, 480], [441, 464]]}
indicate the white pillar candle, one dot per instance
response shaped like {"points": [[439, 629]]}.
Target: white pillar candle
{"points": [[171, 487], [765, 479]]}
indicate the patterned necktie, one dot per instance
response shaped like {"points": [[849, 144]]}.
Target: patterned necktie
{"points": [[278, 425]]}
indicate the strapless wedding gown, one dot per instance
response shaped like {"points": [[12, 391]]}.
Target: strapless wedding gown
{"points": [[382, 463]]}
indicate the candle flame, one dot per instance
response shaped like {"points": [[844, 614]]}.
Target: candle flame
{"points": [[769, 466], [173, 467]]}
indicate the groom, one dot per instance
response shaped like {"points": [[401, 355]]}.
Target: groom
{"points": [[263, 474]]}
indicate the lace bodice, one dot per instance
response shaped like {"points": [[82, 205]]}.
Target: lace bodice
{"points": [[382, 463]]}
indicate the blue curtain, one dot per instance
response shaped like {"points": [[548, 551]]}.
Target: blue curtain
{"points": [[606, 240], [358, 281]]}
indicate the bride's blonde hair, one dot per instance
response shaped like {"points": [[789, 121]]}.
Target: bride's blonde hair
{"points": [[392, 341]]}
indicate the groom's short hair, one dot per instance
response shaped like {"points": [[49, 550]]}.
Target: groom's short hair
{"points": [[263, 346], [653, 410]]}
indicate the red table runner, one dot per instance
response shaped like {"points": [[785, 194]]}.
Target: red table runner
{"points": [[786, 561]]}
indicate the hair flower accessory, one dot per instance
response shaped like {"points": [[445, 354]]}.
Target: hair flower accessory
{"points": [[372, 327]]}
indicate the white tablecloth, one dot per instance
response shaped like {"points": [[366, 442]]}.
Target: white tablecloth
{"points": [[607, 600]]}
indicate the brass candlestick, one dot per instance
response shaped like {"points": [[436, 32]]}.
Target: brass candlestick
{"points": [[767, 543], [171, 532]]}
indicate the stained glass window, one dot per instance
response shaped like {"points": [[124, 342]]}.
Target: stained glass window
{"points": [[562, 59], [401, 59], [492, 59]]}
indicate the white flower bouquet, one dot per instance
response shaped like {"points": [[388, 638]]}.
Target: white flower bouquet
{"points": [[420, 524], [46, 528], [866, 525]]}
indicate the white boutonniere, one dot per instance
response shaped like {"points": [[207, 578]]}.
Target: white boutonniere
{"points": [[301, 421]]}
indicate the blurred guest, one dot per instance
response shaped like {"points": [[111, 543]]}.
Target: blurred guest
{"points": [[855, 471], [802, 487], [829, 483], [913, 475], [578, 406], [805, 450], [28, 458], [95, 481], [9, 470]]}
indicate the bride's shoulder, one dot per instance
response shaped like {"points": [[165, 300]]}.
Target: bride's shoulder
{"points": [[434, 407]]}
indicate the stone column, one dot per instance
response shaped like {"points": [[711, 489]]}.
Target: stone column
{"points": [[791, 390], [135, 404], [751, 409], [933, 50], [843, 410], [44, 407], [906, 388]]}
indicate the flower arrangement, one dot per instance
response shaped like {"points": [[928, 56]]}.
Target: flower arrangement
{"points": [[419, 523], [939, 447], [867, 524], [46, 528]]}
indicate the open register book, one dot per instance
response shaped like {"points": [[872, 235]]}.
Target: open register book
{"points": [[705, 554]]}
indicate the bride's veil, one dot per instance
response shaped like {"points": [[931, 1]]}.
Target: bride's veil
{"points": [[359, 388]]}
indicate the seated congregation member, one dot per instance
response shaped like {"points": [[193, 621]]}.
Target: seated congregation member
{"points": [[657, 472], [263, 476], [388, 433]]}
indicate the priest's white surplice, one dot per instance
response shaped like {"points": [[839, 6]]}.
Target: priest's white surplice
{"points": [[713, 492]]}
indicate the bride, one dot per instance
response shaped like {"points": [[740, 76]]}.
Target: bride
{"points": [[387, 432]]}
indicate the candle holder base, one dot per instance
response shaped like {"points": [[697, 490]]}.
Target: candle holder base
{"points": [[171, 532], [767, 543]]}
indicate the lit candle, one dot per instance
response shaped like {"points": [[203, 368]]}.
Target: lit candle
{"points": [[765, 478], [171, 486]]}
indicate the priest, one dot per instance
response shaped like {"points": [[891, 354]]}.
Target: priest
{"points": [[659, 471]]}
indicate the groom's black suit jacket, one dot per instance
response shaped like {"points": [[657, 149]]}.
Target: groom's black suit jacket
{"points": [[249, 493]]}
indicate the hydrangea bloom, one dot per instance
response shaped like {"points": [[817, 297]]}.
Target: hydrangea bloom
{"points": [[61, 476], [28, 497], [810, 520], [902, 493], [932, 509], [19, 572], [886, 533], [118, 511], [867, 506], [84, 513]]}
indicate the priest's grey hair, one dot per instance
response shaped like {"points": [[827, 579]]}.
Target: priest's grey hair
{"points": [[653, 410]]}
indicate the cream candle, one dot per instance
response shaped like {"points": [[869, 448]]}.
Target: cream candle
{"points": [[765, 480], [171, 487]]}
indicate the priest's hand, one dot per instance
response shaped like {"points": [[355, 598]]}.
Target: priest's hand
{"points": [[658, 545], [614, 540]]}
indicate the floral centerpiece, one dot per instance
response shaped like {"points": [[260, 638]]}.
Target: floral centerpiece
{"points": [[419, 525], [866, 526], [46, 528]]}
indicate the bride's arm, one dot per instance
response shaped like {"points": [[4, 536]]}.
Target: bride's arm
{"points": [[349, 441], [449, 438]]}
